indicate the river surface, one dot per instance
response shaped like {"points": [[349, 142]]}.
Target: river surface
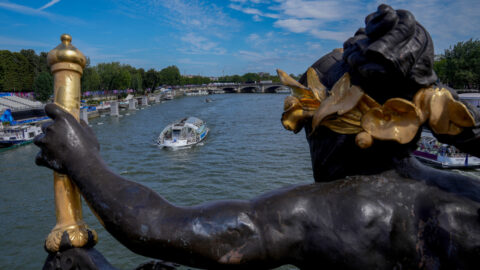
{"points": [[246, 153]]}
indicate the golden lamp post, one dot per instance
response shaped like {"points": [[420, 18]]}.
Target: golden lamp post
{"points": [[66, 63]]}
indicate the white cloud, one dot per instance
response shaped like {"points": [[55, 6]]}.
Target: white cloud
{"points": [[22, 42], [328, 10], [199, 42], [197, 63], [38, 12], [24, 9], [253, 37], [259, 57], [186, 15], [328, 20], [200, 45], [49, 4], [448, 22], [253, 11], [331, 35], [314, 46], [298, 25]]}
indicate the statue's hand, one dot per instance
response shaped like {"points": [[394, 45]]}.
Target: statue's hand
{"points": [[65, 141]]}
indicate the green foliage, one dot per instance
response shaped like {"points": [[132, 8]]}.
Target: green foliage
{"points": [[18, 69], [136, 81], [195, 80], [43, 86], [169, 76], [25, 71], [16, 72], [121, 96], [122, 80], [90, 80], [459, 67], [151, 79], [250, 77], [93, 102]]}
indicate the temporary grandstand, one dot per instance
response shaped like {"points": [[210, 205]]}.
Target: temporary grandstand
{"points": [[21, 109], [15, 103]]}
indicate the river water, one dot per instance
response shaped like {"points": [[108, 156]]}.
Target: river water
{"points": [[246, 153]]}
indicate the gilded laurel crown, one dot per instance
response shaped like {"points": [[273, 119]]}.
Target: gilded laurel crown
{"points": [[346, 109]]}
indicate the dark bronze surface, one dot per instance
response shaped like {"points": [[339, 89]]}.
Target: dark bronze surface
{"points": [[374, 208]]}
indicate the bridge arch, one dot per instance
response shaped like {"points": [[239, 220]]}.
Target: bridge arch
{"points": [[272, 89], [229, 90], [249, 89]]}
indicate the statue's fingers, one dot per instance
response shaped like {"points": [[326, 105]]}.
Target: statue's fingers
{"points": [[39, 140], [40, 159], [53, 111], [46, 127]]}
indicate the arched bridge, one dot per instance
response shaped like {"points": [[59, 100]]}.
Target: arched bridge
{"points": [[257, 87]]}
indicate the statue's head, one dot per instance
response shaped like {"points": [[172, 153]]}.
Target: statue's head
{"points": [[363, 106], [392, 56]]}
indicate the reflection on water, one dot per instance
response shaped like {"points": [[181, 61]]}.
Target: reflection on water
{"points": [[247, 152]]}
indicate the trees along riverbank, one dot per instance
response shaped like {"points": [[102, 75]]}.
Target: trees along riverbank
{"points": [[27, 71], [459, 66]]}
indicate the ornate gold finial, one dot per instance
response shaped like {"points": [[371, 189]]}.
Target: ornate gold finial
{"points": [[66, 52], [66, 38], [346, 109], [66, 63]]}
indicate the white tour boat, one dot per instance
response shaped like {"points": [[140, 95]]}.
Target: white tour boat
{"points": [[196, 93], [472, 98], [18, 135], [183, 133], [442, 155]]}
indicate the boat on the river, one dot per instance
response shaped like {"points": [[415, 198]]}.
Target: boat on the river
{"points": [[437, 154], [103, 107], [18, 135], [183, 133], [168, 94], [472, 98], [196, 93]]}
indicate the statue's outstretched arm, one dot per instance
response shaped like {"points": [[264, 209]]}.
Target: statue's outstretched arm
{"points": [[209, 235]]}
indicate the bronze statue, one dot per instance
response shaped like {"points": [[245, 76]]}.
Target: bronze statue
{"points": [[373, 206]]}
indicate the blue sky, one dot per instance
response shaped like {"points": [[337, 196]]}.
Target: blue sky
{"points": [[214, 38]]}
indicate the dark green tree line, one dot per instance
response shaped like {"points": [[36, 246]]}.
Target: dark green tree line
{"points": [[254, 77], [24, 71], [43, 86], [459, 66], [27, 71]]}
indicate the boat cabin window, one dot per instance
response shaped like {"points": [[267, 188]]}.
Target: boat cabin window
{"points": [[176, 133], [168, 134]]}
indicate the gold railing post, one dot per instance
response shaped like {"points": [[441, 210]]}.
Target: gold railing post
{"points": [[66, 63]]}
